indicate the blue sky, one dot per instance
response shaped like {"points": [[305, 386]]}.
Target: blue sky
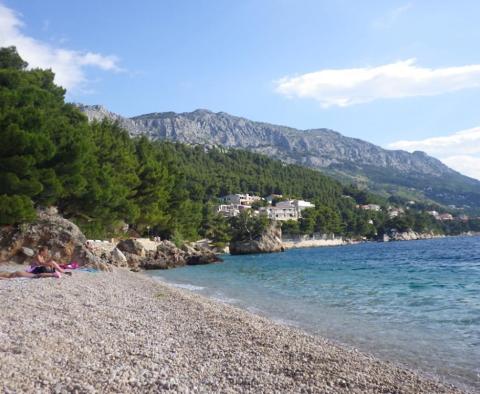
{"points": [[403, 74]]}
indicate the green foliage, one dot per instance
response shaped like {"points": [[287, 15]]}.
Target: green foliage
{"points": [[9, 58], [291, 227], [259, 204], [42, 137], [15, 209], [247, 226], [214, 226]]}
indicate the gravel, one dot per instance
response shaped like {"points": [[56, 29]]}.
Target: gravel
{"points": [[124, 332]]}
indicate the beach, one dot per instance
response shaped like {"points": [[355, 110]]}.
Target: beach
{"points": [[127, 332]]}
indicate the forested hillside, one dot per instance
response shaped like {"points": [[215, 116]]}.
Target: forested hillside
{"points": [[350, 160], [102, 178]]}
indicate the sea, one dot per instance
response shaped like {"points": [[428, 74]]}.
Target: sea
{"points": [[416, 303]]}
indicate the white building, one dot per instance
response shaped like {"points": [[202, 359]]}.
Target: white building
{"points": [[445, 216], [288, 210], [433, 213], [371, 207], [301, 205], [279, 213], [231, 210], [394, 212], [240, 199]]}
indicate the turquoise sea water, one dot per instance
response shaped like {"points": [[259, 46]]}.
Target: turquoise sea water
{"points": [[416, 303]]}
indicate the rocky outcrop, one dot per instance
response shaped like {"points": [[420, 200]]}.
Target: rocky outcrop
{"points": [[269, 242], [409, 235], [63, 238], [131, 246], [67, 243], [167, 255]]}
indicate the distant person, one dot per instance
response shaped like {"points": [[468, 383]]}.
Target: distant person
{"points": [[42, 264], [21, 274]]}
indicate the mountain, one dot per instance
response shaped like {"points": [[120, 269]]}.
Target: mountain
{"points": [[389, 172]]}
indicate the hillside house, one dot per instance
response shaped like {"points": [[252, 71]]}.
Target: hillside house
{"points": [[231, 210], [395, 212], [279, 213], [371, 207], [445, 217], [433, 213], [240, 199], [288, 210]]}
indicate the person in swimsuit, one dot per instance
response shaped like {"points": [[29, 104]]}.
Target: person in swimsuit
{"points": [[21, 274], [41, 264]]}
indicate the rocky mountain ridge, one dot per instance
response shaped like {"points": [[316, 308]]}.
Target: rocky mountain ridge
{"points": [[350, 159]]}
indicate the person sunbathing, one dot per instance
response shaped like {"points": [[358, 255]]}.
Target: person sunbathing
{"points": [[42, 264], [21, 274]]}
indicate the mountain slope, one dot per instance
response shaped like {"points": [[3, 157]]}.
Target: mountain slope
{"points": [[388, 171]]}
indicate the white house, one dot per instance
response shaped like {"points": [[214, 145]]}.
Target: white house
{"points": [[433, 213], [288, 210], [231, 210], [394, 212], [240, 199], [280, 213], [445, 216], [371, 207]]}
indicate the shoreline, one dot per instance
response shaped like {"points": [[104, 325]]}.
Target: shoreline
{"points": [[160, 337], [289, 244]]}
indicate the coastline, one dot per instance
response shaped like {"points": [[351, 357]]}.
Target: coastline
{"points": [[102, 336], [320, 243], [315, 243]]}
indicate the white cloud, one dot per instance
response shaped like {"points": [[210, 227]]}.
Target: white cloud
{"points": [[468, 165], [460, 150], [344, 87], [68, 65]]}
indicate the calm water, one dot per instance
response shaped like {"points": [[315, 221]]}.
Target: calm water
{"points": [[411, 302]]}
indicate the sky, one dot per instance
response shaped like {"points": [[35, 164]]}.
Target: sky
{"points": [[400, 74]]}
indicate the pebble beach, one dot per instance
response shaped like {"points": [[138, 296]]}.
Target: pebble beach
{"points": [[118, 332]]}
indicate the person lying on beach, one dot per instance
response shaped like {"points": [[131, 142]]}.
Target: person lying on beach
{"points": [[41, 264], [21, 274]]}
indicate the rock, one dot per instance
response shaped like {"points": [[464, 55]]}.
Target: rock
{"points": [[409, 235], [63, 238], [118, 256], [27, 251], [131, 246], [134, 261], [200, 259], [269, 242], [85, 257], [198, 255], [168, 255]]}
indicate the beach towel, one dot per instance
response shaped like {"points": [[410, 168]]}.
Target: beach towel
{"points": [[71, 266]]}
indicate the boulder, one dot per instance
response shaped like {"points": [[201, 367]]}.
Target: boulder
{"points": [[134, 261], [168, 255], [118, 256], [269, 242], [197, 255], [61, 236], [27, 251], [131, 246]]}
